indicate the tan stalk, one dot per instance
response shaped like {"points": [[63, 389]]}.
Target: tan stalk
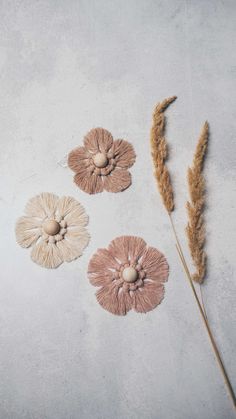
{"points": [[211, 337], [159, 155]]}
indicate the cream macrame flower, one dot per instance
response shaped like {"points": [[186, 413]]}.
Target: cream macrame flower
{"points": [[54, 227], [102, 163], [130, 274]]}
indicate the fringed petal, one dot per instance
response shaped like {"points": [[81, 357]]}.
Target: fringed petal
{"points": [[49, 203], [88, 182], [109, 300], [100, 279], [43, 205], [46, 254], [102, 261], [91, 141], [72, 211], [34, 208], [118, 180], [72, 249], [79, 157], [147, 298], [77, 218], [124, 154], [66, 205], [127, 248], [155, 265], [27, 231], [136, 248], [124, 301], [76, 233], [98, 140], [119, 248], [105, 140], [99, 273]]}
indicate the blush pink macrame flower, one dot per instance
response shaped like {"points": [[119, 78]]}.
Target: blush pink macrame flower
{"points": [[130, 274], [102, 163], [54, 227]]}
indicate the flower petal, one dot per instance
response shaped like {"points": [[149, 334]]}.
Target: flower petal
{"points": [[119, 248], [34, 208], [100, 279], [105, 140], [46, 254], [43, 205], [102, 261], [76, 233], [79, 157], [88, 182], [109, 300], [124, 154], [72, 249], [27, 231], [127, 248], [73, 212], [101, 268], [124, 301], [98, 139], [147, 298], [155, 265], [136, 248], [77, 218], [118, 180]]}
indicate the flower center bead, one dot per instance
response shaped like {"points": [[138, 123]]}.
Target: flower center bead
{"points": [[130, 274], [51, 227], [100, 160]]}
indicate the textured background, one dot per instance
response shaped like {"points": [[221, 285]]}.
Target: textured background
{"points": [[68, 66]]}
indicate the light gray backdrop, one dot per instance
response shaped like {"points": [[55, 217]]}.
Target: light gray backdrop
{"points": [[68, 66]]}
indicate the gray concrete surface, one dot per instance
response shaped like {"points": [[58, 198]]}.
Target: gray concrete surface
{"points": [[68, 66]]}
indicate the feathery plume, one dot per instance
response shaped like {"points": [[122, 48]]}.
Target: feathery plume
{"points": [[159, 154], [195, 228]]}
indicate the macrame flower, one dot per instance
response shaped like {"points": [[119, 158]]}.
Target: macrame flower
{"points": [[55, 228], [102, 163], [130, 275]]}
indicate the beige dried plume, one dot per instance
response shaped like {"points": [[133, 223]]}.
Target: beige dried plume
{"points": [[195, 229], [160, 153]]}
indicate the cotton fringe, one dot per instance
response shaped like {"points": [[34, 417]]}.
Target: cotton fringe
{"points": [[51, 250], [117, 296]]}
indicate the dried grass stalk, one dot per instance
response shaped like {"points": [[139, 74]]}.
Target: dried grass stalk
{"points": [[160, 153], [195, 228]]}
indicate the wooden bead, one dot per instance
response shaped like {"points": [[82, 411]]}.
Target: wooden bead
{"points": [[100, 160], [130, 274], [51, 227]]}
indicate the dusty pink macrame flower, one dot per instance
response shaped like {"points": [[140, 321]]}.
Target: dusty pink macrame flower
{"points": [[130, 274], [102, 163]]}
